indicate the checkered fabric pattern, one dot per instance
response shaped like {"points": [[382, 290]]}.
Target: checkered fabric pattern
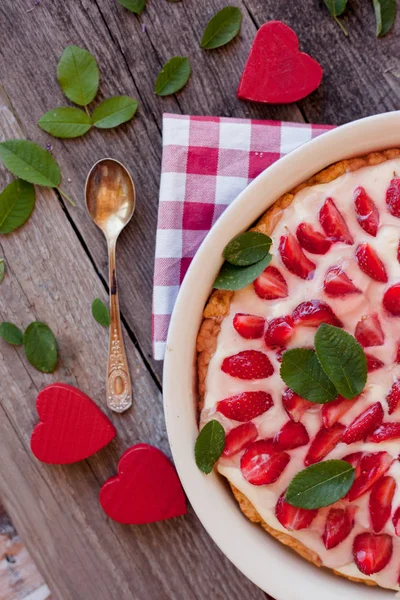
{"points": [[207, 162]]}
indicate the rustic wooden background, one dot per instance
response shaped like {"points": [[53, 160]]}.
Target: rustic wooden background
{"points": [[57, 264]]}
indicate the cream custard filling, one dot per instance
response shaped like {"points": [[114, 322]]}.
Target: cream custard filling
{"points": [[305, 208]]}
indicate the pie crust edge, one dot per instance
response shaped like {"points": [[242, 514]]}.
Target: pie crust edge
{"points": [[218, 306]]}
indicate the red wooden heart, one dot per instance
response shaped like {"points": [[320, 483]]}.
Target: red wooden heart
{"points": [[276, 72], [71, 428], [146, 489]]}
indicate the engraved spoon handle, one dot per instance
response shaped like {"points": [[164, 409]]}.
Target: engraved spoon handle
{"points": [[119, 390]]}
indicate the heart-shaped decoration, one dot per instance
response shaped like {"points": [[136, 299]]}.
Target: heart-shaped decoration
{"points": [[276, 72], [71, 428], [146, 489]]}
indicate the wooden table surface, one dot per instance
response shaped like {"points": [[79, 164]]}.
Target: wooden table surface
{"points": [[57, 263]]}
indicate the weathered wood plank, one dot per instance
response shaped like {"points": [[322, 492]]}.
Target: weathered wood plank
{"points": [[129, 59], [80, 552]]}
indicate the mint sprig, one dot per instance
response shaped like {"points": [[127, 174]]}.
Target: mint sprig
{"points": [[39, 344], [100, 312], [321, 484], [385, 15], [209, 446], [302, 372], [222, 28], [173, 76], [343, 360], [17, 202], [337, 8], [11, 333]]}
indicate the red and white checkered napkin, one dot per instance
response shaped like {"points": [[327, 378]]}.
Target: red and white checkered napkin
{"points": [[207, 162]]}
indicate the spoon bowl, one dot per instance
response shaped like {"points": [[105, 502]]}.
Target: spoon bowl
{"points": [[110, 200], [110, 196]]}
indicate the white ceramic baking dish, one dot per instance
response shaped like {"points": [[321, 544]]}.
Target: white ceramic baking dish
{"points": [[271, 566]]}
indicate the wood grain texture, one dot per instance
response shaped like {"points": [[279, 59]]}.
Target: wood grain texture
{"points": [[81, 553], [58, 262]]}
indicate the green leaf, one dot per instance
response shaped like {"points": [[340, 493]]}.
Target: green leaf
{"points": [[336, 7], [114, 111], [209, 446], [301, 371], [321, 484], [235, 278], [78, 75], [17, 202], [222, 28], [100, 312], [40, 347], [30, 162], [65, 122], [247, 248], [343, 360], [385, 15], [135, 6], [2, 269], [11, 333], [173, 76]]}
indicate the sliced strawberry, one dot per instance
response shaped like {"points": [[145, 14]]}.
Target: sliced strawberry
{"points": [[279, 331], [364, 424], [373, 363], [333, 223], [337, 283], [240, 437], [292, 435], [262, 464], [250, 327], [249, 364], [245, 406], [386, 431], [294, 258], [380, 502], [295, 405], [293, 518], [354, 459], [366, 211], [370, 263], [332, 411], [393, 197], [393, 397], [372, 552], [323, 443], [311, 240], [371, 468], [396, 521], [391, 300], [339, 523], [312, 313], [271, 284], [369, 331]]}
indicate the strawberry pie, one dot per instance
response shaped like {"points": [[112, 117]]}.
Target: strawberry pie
{"points": [[335, 261]]}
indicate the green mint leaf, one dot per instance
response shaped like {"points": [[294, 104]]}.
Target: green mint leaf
{"points": [[17, 202], [235, 278], [40, 347], [135, 6], [65, 122], [209, 446], [385, 15], [2, 269], [301, 371], [78, 75], [247, 248], [173, 76], [222, 28], [320, 485], [343, 360], [114, 111], [11, 333], [100, 312], [30, 162]]}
